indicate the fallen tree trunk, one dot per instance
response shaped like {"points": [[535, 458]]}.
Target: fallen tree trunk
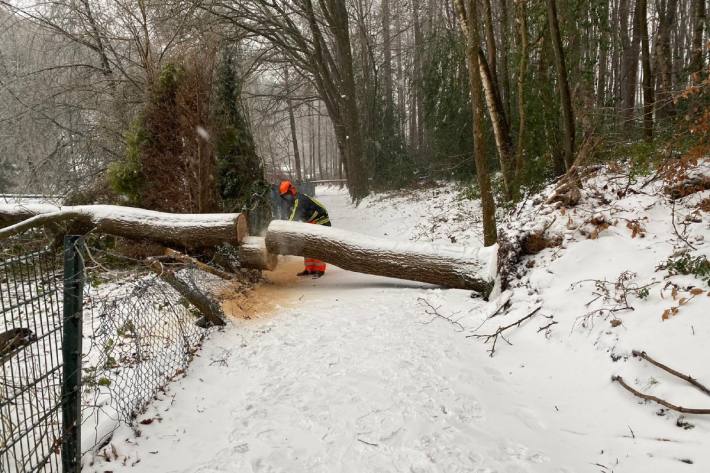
{"points": [[209, 308], [186, 230], [443, 265]]}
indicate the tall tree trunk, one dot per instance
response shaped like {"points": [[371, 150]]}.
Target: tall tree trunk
{"points": [[347, 126], [311, 146], [603, 57], [614, 88], [648, 92], [387, 65], [499, 122], [418, 93], [490, 41], [664, 59], [468, 21], [631, 59], [320, 157], [625, 50], [505, 47], [304, 155], [401, 95], [292, 124], [696, 55], [562, 84], [522, 29]]}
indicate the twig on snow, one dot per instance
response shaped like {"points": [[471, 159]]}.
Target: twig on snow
{"points": [[545, 327], [368, 443], [663, 402], [499, 333], [434, 312], [668, 369]]}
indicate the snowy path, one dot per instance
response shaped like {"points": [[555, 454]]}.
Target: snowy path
{"points": [[349, 374]]}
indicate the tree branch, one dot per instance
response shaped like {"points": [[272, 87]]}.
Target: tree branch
{"points": [[648, 397], [499, 333], [685, 377]]}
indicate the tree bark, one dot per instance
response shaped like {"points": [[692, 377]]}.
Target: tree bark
{"points": [[522, 27], [664, 60], [448, 266], [648, 92], [696, 54], [183, 230], [490, 41], [562, 84], [623, 25], [499, 122], [630, 64], [387, 65], [505, 52], [349, 123], [468, 22]]}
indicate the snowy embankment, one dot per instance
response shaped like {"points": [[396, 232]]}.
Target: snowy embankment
{"points": [[359, 373]]}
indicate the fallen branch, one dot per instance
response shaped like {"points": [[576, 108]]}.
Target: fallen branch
{"points": [[648, 397], [499, 332], [545, 327], [675, 229], [210, 309], [668, 369], [176, 255], [434, 312]]}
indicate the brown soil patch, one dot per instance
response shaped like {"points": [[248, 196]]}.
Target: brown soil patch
{"points": [[266, 297]]}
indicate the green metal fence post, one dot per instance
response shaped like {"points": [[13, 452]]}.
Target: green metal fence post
{"points": [[71, 352]]}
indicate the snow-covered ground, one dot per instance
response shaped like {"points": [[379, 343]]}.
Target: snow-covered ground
{"points": [[358, 373]]}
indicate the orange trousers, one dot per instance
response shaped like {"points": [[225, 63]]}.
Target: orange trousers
{"points": [[313, 264]]}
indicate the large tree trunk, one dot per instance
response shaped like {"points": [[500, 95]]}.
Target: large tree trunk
{"points": [[630, 66], [183, 230], [450, 266], [562, 84], [468, 22], [664, 60], [696, 54], [352, 138], [499, 122]]}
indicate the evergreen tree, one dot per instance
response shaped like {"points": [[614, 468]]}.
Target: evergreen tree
{"points": [[240, 174]]}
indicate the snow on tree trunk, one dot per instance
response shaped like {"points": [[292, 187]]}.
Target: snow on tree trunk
{"points": [[187, 230], [444, 265]]}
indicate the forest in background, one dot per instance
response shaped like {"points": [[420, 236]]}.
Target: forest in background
{"points": [[195, 106]]}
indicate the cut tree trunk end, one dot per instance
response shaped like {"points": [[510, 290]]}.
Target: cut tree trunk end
{"points": [[253, 254], [450, 266], [184, 230]]}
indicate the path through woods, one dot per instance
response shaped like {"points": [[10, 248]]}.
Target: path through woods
{"points": [[349, 374]]}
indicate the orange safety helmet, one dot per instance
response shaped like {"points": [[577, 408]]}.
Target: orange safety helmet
{"points": [[287, 187]]}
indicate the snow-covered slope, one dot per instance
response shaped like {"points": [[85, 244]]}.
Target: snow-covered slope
{"points": [[358, 373]]}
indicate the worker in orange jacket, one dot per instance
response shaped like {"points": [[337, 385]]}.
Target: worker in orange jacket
{"points": [[305, 209]]}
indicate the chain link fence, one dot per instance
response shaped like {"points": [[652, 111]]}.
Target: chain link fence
{"points": [[30, 357], [134, 335], [140, 335]]}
